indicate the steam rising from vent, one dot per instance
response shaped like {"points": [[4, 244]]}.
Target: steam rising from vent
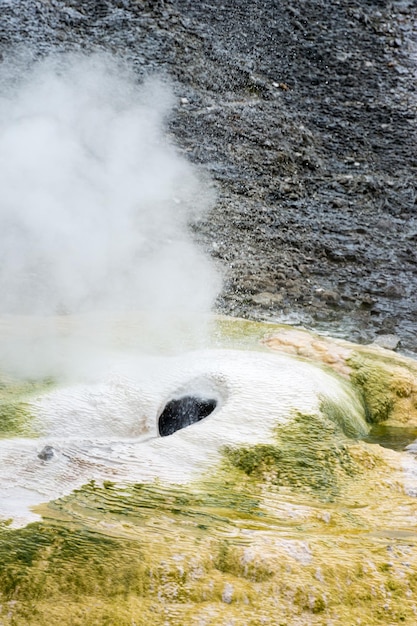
{"points": [[95, 202]]}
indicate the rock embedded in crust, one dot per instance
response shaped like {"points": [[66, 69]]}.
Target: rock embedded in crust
{"points": [[389, 342]]}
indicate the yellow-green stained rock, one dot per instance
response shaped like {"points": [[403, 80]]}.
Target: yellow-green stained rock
{"points": [[16, 418], [294, 515], [387, 380]]}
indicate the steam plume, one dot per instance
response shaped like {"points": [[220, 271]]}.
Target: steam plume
{"points": [[95, 202]]}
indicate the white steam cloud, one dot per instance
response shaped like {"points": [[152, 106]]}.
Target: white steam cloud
{"points": [[95, 202]]}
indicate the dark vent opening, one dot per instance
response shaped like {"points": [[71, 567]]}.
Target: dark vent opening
{"points": [[183, 412]]}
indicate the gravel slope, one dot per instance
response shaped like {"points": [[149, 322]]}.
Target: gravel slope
{"points": [[304, 115]]}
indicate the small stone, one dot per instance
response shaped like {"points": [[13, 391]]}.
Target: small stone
{"points": [[227, 594], [393, 291], [47, 453], [267, 298], [321, 316], [331, 297], [367, 301], [389, 342], [335, 254]]}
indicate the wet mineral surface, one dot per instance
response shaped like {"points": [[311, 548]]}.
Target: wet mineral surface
{"points": [[298, 513]]}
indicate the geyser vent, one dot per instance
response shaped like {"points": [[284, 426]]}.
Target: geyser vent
{"points": [[182, 412]]}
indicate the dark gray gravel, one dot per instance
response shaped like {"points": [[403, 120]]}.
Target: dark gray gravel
{"points": [[304, 115]]}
